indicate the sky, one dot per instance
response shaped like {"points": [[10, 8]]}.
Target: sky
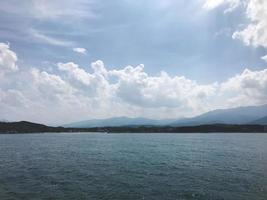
{"points": [[64, 60]]}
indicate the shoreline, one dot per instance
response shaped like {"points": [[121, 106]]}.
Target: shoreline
{"points": [[24, 127]]}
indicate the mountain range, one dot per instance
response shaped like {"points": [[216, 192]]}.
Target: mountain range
{"points": [[261, 121], [118, 121], [239, 115]]}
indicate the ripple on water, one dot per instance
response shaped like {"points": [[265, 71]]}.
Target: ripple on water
{"points": [[133, 166]]}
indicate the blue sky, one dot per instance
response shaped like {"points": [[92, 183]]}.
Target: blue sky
{"points": [[206, 41], [179, 37]]}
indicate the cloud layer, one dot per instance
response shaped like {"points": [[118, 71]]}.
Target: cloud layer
{"points": [[70, 92]]}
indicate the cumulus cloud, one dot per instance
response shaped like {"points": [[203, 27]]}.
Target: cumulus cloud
{"points": [[72, 92], [8, 59], [80, 50], [90, 85], [137, 87], [75, 73], [255, 34], [249, 87]]}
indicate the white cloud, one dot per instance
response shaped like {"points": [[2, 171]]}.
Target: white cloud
{"points": [[255, 34], [212, 4], [136, 87], [8, 59], [88, 84], [75, 73], [49, 84], [80, 50], [63, 10], [75, 93], [264, 58], [249, 87], [49, 40]]}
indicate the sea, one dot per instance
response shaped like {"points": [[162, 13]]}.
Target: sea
{"points": [[133, 166]]}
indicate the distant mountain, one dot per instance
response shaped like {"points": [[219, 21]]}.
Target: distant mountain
{"points": [[240, 115], [118, 121], [261, 121]]}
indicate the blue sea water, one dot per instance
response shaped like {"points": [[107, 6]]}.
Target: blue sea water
{"points": [[133, 166]]}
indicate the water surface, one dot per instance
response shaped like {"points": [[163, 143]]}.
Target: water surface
{"points": [[133, 166]]}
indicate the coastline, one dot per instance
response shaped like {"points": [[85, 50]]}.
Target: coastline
{"points": [[29, 127]]}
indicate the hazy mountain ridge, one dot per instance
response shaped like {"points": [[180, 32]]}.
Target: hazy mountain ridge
{"points": [[119, 121], [239, 115], [261, 121]]}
